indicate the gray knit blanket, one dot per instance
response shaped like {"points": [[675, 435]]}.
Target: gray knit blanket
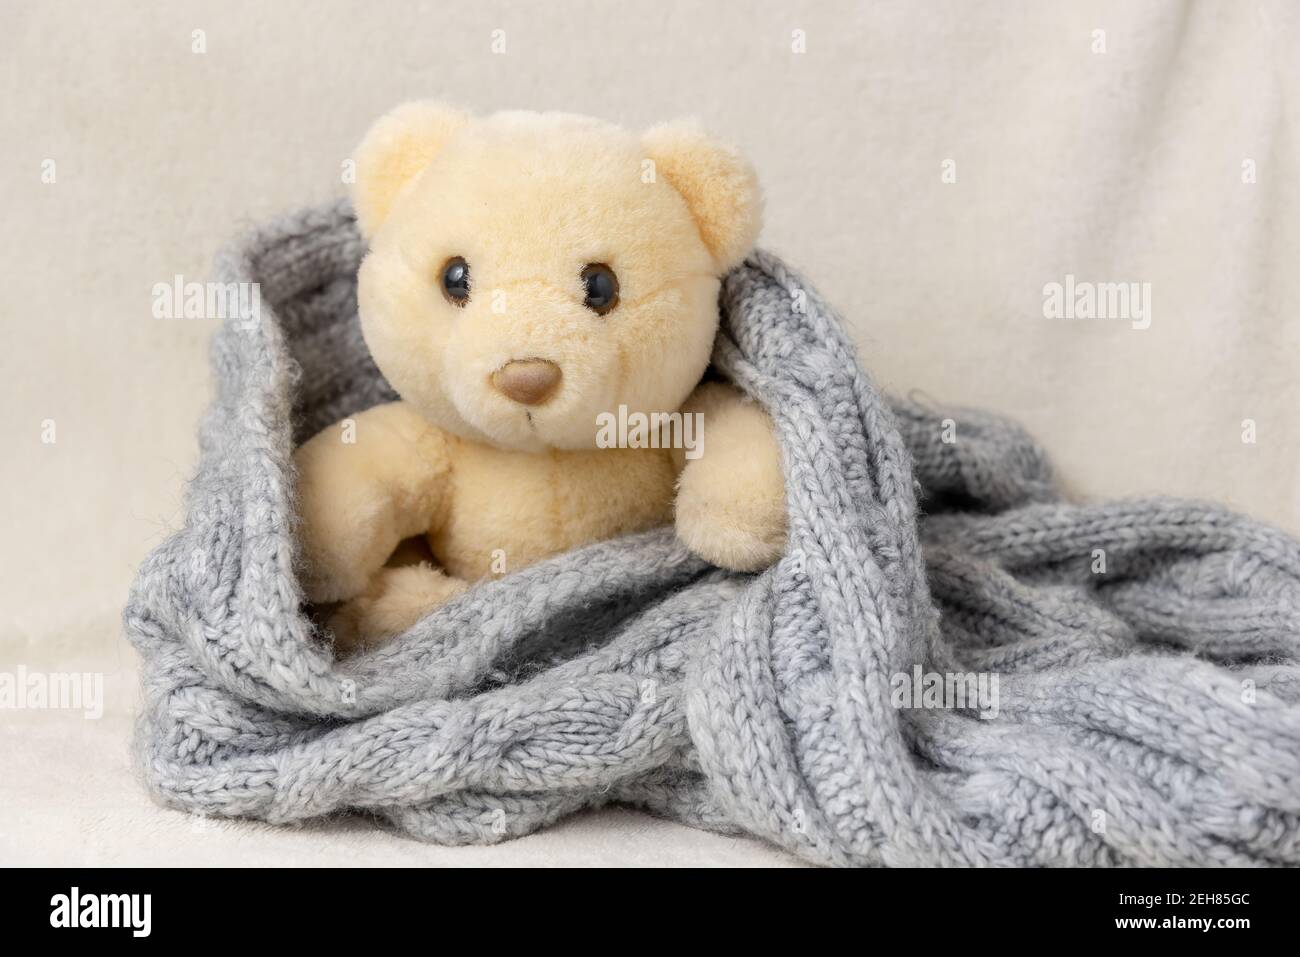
{"points": [[1129, 668]]}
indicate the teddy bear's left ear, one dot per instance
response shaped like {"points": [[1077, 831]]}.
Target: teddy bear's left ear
{"points": [[717, 183], [400, 144]]}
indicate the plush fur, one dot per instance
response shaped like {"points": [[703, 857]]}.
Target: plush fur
{"points": [[495, 483]]}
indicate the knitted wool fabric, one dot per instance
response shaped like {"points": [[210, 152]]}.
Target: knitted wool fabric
{"points": [[1145, 714]]}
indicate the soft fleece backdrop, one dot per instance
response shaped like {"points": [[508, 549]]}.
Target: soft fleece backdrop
{"points": [[1122, 166]]}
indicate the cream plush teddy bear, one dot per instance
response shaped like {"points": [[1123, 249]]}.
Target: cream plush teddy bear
{"points": [[530, 276]]}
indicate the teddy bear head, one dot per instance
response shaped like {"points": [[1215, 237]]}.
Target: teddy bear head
{"points": [[530, 271]]}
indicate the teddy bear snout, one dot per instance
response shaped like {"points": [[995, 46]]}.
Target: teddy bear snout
{"points": [[527, 381]]}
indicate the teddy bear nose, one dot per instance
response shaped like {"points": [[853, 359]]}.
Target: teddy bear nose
{"points": [[528, 381]]}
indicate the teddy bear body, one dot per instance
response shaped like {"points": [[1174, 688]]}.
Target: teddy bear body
{"points": [[572, 499], [527, 275]]}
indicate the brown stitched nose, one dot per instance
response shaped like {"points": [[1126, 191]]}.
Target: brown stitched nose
{"points": [[529, 381]]}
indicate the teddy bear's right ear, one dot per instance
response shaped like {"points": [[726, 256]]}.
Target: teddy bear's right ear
{"points": [[398, 146]]}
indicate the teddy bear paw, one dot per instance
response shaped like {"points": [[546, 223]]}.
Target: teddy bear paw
{"points": [[743, 536], [396, 599]]}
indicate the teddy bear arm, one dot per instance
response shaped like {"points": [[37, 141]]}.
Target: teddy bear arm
{"points": [[365, 484], [730, 506]]}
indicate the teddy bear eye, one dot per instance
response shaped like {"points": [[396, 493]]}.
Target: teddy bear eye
{"points": [[455, 281], [602, 288]]}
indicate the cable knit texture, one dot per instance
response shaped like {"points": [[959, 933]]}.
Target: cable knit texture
{"points": [[1148, 710]]}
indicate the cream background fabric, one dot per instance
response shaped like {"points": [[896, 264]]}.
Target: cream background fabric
{"points": [[1122, 166]]}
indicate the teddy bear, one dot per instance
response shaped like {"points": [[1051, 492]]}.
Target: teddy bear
{"points": [[528, 276]]}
